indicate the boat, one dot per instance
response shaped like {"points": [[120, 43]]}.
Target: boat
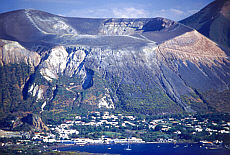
{"points": [[128, 148], [176, 146], [212, 148]]}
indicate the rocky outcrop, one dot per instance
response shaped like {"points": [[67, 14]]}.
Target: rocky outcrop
{"points": [[61, 62], [121, 27], [38, 91], [55, 63], [33, 121], [106, 101], [13, 53]]}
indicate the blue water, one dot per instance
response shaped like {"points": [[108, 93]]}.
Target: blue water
{"points": [[148, 149]]}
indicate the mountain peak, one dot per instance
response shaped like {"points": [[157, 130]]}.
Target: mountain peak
{"points": [[38, 26]]}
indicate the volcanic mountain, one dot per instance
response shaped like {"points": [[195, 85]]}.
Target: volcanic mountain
{"points": [[213, 21], [53, 65]]}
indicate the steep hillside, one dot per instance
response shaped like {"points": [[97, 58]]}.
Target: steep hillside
{"points": [[213, 21], [55, 66]]}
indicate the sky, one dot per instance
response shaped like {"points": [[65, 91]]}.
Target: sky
{"points": [[171, 9]]}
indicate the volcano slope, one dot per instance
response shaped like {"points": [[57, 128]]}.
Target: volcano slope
{"points": [[213, 21], [56, 65]]}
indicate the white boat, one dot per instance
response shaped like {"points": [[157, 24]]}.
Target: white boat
{"points": [[128, 148], [176, 146]]}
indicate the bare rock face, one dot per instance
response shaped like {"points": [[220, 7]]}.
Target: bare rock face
{"points": [[55, 63], [60, 62], [151, 66], [13, 53], [38, 91]]}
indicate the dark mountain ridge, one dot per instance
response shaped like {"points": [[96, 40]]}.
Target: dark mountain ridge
{"points": [[213, 21]]}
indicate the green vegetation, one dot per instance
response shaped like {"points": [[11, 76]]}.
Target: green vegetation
{"points": [[134, 98], [12, 77], [218, 100], [71, 98]]}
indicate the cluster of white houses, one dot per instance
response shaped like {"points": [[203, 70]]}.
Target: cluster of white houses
{"points": [[64, 131], [97, 119], [50, 138], [103, 140]]}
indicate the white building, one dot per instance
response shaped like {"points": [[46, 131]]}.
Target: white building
{"points": [[128, 140], [199, 129]]}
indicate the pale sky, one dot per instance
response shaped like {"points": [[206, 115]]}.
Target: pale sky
{"points": [[171, 9]]}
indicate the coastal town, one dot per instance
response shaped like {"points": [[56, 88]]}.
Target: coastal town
{"points": [[107, 128]]}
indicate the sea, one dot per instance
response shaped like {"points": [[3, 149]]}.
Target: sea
{"points": [[149, 149]]}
